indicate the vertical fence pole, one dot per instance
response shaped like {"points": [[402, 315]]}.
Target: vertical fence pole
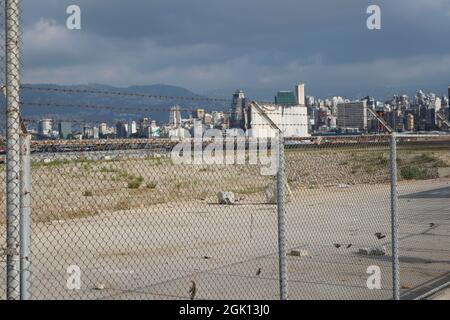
{"points": [[281, 197], [394, 219], [25, 219], [13, 149]]}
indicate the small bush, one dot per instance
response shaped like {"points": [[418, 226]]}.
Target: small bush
{"points": [[428, 157], [88, 193], [413, 173], [151, 185], [432, 159], [135, 182], [108, 170]]}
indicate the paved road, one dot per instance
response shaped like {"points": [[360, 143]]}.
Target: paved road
{"points": [[441, 193], [155, 253]]}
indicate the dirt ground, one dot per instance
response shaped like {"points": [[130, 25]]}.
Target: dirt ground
{"points": [[69, 189]]}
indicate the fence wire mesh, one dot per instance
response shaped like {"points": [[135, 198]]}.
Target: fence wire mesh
{"points": [[424, 213], [139, 226], [121, 219], [2, 147], [11, 249], [338, 217]]}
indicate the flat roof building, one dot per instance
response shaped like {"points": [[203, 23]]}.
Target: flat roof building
{"points": [[352, 115], [286, 98], [65, 129], [291, 120]]}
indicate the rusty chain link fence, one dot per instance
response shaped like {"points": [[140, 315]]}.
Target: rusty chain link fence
{"points": [[207, 218]]}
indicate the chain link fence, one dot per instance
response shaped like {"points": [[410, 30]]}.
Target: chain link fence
{"points": [[280, 218], [424, 213], [338, 217], [134, 224], [140, 226], [11, 90], [2, 146]]}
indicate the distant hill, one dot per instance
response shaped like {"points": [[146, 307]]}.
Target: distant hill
{"points": [[160, 107]]}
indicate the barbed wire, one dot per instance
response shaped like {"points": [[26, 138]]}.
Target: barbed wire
{"points": [[129, 94], [137, 109], [137, 94]]}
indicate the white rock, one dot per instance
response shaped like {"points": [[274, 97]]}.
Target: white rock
{"points": [[226, 197]]}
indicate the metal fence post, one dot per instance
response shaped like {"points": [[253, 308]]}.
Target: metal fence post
{"points": [[394, 219], [13, 149], [281, 197], [25, 219]]}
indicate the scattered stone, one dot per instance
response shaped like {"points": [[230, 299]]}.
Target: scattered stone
{"points": [[299, 253], [343, 186], [226, 197], [46, 161], [406, 287], [99, 287], [106, 158], [377, 251]]}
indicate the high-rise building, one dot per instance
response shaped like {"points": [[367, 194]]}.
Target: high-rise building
{"points": [[410, 122], [352, 115], [437, 104], [103, 129], [88, 132], [286, 98], [132, 128], [96, 132], [175, 116], [45, 127], [208, 119], [155, 130], [300, 94], [122, 129], [238, 105], [200, 114], [65, 129]]}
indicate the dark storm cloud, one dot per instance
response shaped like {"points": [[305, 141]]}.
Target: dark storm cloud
{"points": [[259, 45]]}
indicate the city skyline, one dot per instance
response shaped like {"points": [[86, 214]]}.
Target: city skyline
{"points": [[293, 109]]}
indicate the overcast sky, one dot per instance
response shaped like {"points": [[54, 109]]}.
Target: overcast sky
{"points": [[215, 46]]}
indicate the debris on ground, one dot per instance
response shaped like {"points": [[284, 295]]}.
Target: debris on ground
{"points": [[376, 251], [99, 287], [302, 253]]}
